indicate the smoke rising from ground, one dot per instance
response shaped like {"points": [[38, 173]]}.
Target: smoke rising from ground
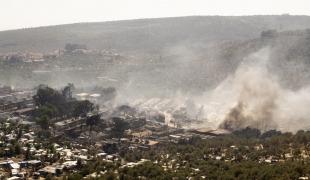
{"points": [[269, 89], [253, 97]]}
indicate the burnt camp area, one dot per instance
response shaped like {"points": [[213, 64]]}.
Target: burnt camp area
{"points": [[200, 97]]}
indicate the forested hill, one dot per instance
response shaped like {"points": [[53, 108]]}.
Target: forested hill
{"points": [[148, 35]]}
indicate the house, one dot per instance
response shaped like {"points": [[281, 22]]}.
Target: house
{"points": [[14, 178], [14, 165], [47, 170], [70, 164], [14, 172], [25, 111], [4, 164], [101, 154], [34, 163], [259, 147]]}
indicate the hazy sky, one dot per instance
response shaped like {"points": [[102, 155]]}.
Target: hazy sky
{"points": [[30, 13]]}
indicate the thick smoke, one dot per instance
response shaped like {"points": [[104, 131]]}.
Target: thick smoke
{"points": [[251, 94], [253, 97], [256, 102]]}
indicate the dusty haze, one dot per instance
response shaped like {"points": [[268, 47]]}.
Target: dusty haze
{"points": [[231, 72]]}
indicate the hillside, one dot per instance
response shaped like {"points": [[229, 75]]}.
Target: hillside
{"points": [[148, 35], [160, 56]]}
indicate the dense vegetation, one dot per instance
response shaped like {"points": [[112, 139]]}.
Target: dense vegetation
{"points": [[53, 105], [247, 154]]}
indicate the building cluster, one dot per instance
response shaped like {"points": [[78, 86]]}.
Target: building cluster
{"points": [[70, 49], [27, 57], [23, 156], [74, 141], [15, 105]]}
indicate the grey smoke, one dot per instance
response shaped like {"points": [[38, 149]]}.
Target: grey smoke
{"points": [[253, 97]]}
